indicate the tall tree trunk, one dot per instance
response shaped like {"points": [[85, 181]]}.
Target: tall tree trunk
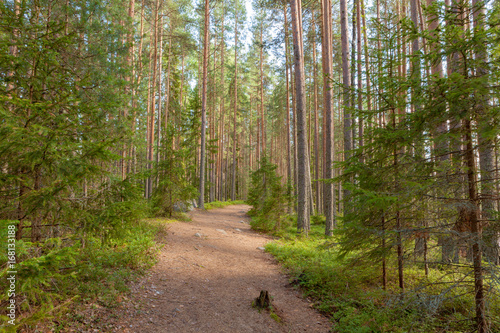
{"points": [[367, 65], [327, 62], [221, 129], [152, 101], [213, 154], [289, 139], [167, 87], [456, 65], [316, 129], [486, 144], [476, 230], [304, 176], [130, 85], [294, 134], [353, 74], [415, 62], [160, 90], [440, 146], [360, 78], [346, 88], [201, 202], [233, 182], [262, 119]]}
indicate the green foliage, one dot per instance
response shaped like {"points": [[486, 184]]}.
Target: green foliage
{"points": [[318, 219], [64, 100], [407, 184], [84, 269], [221, 204], [61, 119], [350, 292], [268, 197], [173, 171]]}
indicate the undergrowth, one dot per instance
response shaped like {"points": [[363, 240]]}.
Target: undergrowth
{"points": [[349, 290], [57, 274], [221, 204]]}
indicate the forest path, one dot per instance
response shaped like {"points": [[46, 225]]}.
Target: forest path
{"points": [[207, 283]]}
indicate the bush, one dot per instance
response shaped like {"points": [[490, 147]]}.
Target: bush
{"points": [[221, 204], [174, 187], [350, 291], [269, 198], [55, 273]]}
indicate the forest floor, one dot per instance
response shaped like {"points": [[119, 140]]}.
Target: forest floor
{"points": [[207, 275]]}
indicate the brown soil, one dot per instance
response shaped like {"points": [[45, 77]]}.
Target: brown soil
{"points": [[208, 283]]}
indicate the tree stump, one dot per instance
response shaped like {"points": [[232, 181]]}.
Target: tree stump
{"points": [[263, 301]]}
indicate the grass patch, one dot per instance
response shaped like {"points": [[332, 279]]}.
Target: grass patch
{"points": [[349, 290], [221, 204], [61, 274]]}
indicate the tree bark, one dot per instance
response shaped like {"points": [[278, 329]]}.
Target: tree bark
{"points": [[316, 129], [486, 144], [221, 129], [360, 78], [201, 202], [233, 182], [476, 231], [327, 57], [346, 88], [304, 177], [160, 90], [288, 141], [262, 119]]}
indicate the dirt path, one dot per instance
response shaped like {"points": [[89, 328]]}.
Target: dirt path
{"points": [[207, 283]]}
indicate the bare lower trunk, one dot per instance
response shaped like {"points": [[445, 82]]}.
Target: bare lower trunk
{"points": [[476, 230]]}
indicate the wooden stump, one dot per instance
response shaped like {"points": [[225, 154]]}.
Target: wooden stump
{"points": [[263, 301]]}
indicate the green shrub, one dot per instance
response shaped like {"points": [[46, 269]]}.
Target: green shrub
{"points": [[350, 292], [56, 272], [268, 197], [174, 185], [318, 219], [221, 204]]}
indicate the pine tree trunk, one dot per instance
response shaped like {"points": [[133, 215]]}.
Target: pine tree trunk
{"points": [[476, 230], [167, 88], [130, 86], [316, 134], [327, 56], [201, 202], [367, 66], [160, 90], [233, 182], [353, 74], [287, 73], [213, 125], [150, 108], [346, 89], [360, 78], [221, 127], [486, 144], [262, 119], [304, 177]]}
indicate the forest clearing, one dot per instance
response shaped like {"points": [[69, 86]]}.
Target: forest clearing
{"points": [[362, 137]]}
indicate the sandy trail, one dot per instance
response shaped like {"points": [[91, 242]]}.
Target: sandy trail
{"points": [[207, 283]]}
